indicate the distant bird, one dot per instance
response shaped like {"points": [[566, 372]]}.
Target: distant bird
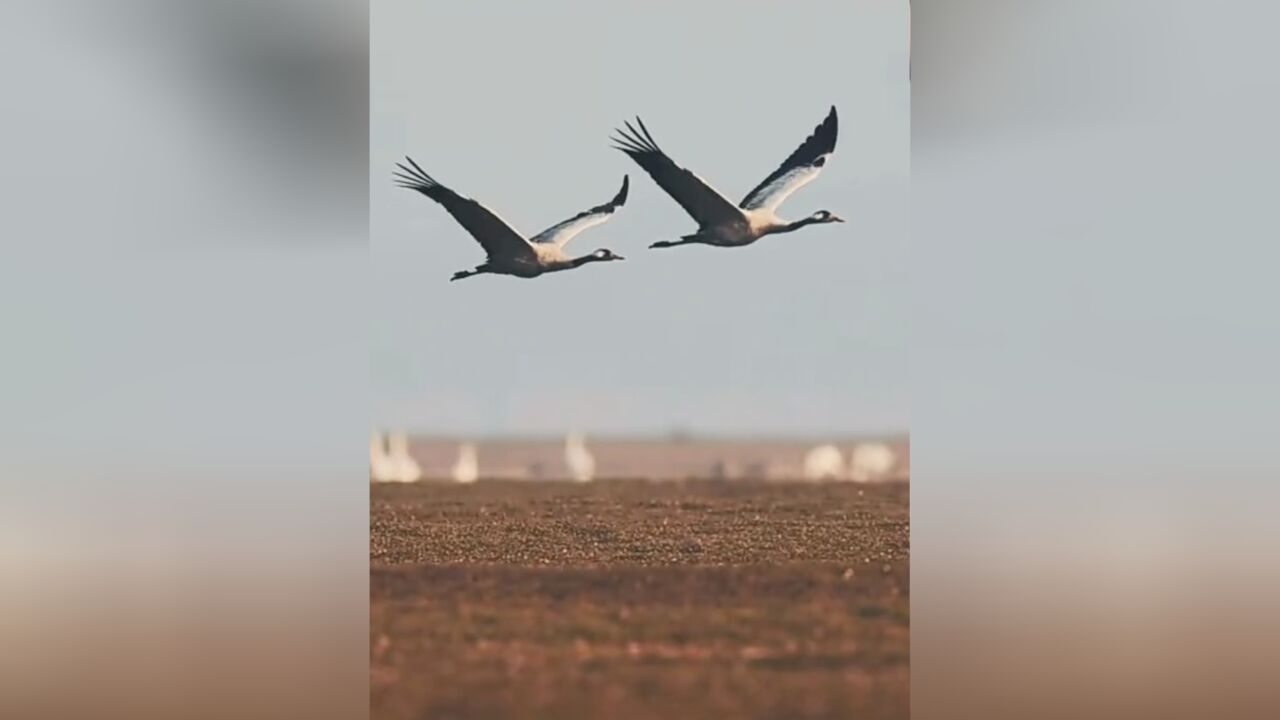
{"points": [[582, 466], [389, 459], [467, 468], [824, 463], [720, 222], [381, 469], [871, 461], [402, 466], [509, 252]]}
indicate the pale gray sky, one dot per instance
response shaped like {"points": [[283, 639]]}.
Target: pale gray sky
{"points": [[799, 333]]}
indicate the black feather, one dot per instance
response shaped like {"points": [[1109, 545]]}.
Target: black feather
{"points": [[821, 142]]}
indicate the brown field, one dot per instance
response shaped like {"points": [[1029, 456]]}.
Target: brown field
{"points": [[630, 599]]}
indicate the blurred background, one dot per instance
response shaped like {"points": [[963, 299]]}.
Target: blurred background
{"points": [[183, 522], [1094, 339]]}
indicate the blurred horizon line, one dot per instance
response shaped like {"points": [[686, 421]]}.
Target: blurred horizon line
{"points": [[647, 435]]}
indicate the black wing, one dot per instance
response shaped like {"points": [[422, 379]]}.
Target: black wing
{"points": [[801, 167], [697, 198], [498, 239]]}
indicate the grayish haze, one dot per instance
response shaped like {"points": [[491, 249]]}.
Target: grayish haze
{"points": [[1095, 335], [800, 333]]}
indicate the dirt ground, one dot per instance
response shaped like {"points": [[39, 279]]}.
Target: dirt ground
{"points": [[629, 599]]}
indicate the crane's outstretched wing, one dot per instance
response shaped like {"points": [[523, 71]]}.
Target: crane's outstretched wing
{"points": [[561, 233], [498, 239], [797, 170], [697, 198]]}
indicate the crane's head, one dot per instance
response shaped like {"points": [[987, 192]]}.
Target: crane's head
{"points": [[606, 254], [825, 216]]}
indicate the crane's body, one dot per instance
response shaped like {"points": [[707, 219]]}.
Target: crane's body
{"points": [[509, 252], [720, 222]]}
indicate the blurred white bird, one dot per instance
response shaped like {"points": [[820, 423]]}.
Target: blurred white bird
{"points": [[824, 462], [397, 465], [870, 461], [467, 468], [381, 468], [582, 466]]}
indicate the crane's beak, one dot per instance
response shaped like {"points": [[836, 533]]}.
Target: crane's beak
{"points": [[836, 218], [618, 257]]}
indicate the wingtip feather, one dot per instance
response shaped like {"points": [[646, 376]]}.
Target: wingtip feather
{"points": [[647, 136], [831, 126], [621, 198], [417, 173]]}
